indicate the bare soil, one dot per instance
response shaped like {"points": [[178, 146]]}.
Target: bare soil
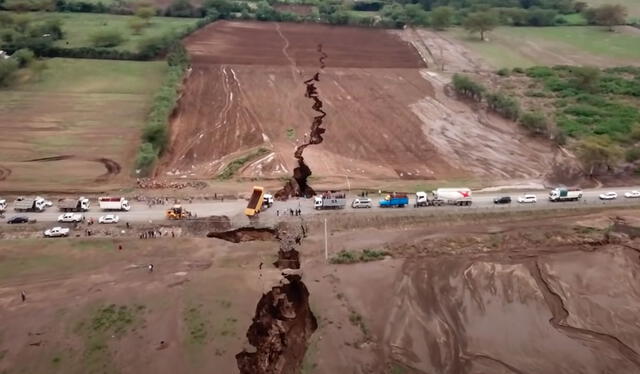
{"points": [[507, 295], [387, 115]]}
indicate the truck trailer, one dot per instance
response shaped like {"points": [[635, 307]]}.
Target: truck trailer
{"points": [[394, 200], [81, 204], [452, 196], [565, 194], [30, 204], [255, 202], [114, 203], [330, 200]]}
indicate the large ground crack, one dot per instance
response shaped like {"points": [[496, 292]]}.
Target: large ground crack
{"points": [[283, 322], [298, 186]]}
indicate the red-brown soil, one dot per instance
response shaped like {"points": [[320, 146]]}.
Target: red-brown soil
{"points": [[387, 118]]}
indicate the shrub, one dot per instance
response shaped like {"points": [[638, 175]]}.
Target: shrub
{"points": [[518, 70], [24, 57], [504, 72], [8, 68], [351, 257], [535, 122], [506, 106], [632, 154], [235, 165], [106, 38], [463, 85]]}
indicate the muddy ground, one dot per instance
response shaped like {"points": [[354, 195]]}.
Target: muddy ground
{"points": [[521, 294], [388, 115]]}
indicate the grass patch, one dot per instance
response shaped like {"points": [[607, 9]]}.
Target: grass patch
{"points": [[106, 322], [78, 27], [352, 257], [196, 324], [71, 106], [357, 320], [291, 133], [229, 171], [529, 46]]}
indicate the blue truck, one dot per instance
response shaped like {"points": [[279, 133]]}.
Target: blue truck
{"points": [[394, 200]]}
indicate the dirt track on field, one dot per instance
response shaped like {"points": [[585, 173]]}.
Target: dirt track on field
{"points": [[388, 118]]}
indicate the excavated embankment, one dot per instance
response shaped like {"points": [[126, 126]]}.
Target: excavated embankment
{"points": [[283, 322]]}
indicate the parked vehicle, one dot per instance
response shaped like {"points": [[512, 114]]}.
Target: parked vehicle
{"points": [[17, 219], [361, 202], [330, 200], [452, 196], [3, 205], [29, 204], [109, 218], [502, 200], [565, 194], [528, 199], [422, 199], [255, 202], [632, 194], [268, 200], [71, 217], [81, 204], [608, 196], [48, 203], [114, 203], [56, 232], [394, 200]]}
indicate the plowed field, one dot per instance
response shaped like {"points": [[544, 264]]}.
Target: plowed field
{"points": [[387, 117]]}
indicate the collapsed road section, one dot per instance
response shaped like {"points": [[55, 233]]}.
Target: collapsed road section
{"points": [[283, 322]]}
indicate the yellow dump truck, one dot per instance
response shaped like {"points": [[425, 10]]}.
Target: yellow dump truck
{"points": [[178, 212], [255, 202]]}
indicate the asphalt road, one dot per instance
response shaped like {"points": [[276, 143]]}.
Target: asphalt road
{"points": [[140, 212]]}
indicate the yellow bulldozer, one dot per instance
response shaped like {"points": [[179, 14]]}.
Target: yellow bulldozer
{"points": [[178, 212]]}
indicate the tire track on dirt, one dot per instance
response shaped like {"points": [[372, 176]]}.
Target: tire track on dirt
{"points": [[113, 168], [5, 172]]}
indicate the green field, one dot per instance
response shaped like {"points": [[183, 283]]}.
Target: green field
{"points": [[362, 14], [78, 27], [528, 46], [633, 6], [80, 107]]}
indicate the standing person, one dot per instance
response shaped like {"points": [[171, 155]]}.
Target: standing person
{"points": [[23, 296], [150, 267], [277, 213], [119, 247]]}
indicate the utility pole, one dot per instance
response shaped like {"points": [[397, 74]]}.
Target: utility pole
{"points": [[326, 245]]}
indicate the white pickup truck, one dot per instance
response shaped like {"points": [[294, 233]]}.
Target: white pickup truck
{"points": [[56, 232], [71, 217]]}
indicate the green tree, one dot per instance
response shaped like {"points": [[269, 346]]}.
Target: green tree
{"points": [[464, 86], [145, 13], [481, 22], [610, 15], [598, 153], [180, 8], [106, 38], [441, 17], [416, 16]]}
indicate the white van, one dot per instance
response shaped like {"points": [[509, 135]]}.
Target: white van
{"points": [[361, 202]]}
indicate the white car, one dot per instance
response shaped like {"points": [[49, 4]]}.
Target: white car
{"points": [[525, 199], [71, 217], [632, 194], [56, 232], [608, 196], [109, 218], [48, 203]]}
